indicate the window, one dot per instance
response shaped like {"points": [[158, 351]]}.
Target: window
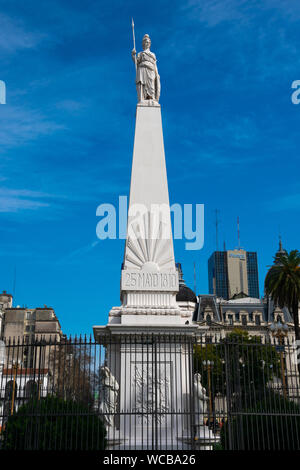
{"points": [[208, 319], [244, 320], [230, 319], [257, 319]]}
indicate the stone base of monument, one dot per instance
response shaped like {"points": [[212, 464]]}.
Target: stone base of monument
{"points": [[204, 440], [154, 371]]}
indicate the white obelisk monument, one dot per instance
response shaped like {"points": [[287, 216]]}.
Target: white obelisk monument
{"points": [[154, 376]]}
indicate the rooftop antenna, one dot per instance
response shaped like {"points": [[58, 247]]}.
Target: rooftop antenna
{"points": [[238, 228], [14, 282], [280, 239], [217, 224]]}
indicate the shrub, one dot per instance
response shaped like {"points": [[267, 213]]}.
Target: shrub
{"points": [[270, 425], [54, 424]]}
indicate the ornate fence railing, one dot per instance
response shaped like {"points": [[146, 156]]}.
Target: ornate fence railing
{"points": [[150, 391]]}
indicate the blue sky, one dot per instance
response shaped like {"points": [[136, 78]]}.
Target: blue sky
{"points": [[66, 136]]}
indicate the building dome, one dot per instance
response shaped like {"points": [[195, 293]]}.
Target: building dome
{"points": [[186, 294]]}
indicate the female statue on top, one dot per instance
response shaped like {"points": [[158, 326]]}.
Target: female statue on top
{"points": [[147, 78]]}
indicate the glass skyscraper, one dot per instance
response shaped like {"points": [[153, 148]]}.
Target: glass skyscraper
{"points": [[217, 274], [232, 272], [252, 272]]}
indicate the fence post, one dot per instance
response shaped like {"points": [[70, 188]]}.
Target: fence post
{"points": [[228, 393]]}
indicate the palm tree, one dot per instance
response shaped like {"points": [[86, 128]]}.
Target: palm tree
{"points": [[282, 283]]}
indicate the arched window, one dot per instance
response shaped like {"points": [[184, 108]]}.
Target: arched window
{"points": [[208, 319]]}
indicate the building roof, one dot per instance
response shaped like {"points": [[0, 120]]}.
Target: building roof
{"points": [[243, 300], [204, 302], [280, 252]]}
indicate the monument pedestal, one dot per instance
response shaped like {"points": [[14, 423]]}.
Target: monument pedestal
{"points": [[153, 367]]}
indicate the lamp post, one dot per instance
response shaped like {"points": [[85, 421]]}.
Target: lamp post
{"points": [[280, 330], [14, 368], [208, 364], [40, 384]]}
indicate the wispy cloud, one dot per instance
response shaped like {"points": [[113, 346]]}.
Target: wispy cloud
{"points": [[74, 255], [15, 200], [240, 131], [213, 12], [14, 35], [289, 202], [21, 125]]}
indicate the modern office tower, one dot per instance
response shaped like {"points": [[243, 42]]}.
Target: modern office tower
{"points": [[233, 272]]}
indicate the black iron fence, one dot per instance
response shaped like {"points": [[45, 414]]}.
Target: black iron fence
{"points": [[150, 391]]}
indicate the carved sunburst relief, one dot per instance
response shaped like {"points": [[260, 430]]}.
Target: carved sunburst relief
{"points": [[149, 242]]}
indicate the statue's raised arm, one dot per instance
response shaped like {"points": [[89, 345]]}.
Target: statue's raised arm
{"points": [[147, 77]]}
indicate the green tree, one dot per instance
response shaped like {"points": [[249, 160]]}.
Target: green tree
{"points": [[241, 363], [54, 424], [250, 367], [282, 284], [214, 354]]}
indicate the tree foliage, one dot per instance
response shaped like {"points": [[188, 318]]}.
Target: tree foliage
{"points": [[282, 282], [72, 372], [240, 362]]}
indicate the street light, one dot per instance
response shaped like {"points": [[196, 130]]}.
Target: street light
{"points": [[280, 330], [209, 365], [15, 366]]}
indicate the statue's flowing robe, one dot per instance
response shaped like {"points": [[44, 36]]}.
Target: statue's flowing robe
{"points": [[147, 75], [200, 401], [109, 395]]}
